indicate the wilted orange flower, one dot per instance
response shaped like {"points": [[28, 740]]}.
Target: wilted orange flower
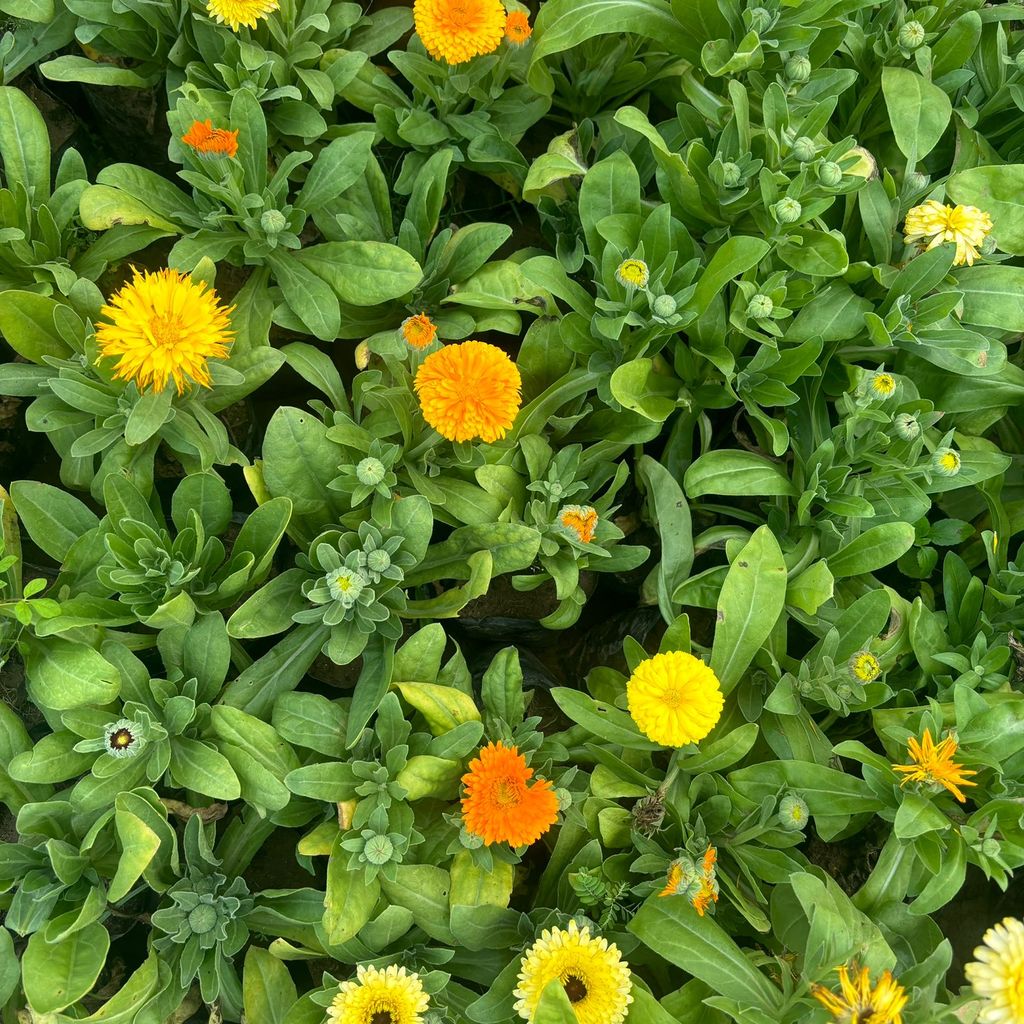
{"points": [[517, 28], [419, 330], [700, 886], [459, 30], [580, 520], [934, 764], [499, 805], [468, 391], [209, 141]]}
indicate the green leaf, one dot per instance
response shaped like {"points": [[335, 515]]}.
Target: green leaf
{"points": [[917, 816], [363, 273], [735, 473], [670, 513], [63, 674], [554, 1006], [59, 974], [999, 191], [637, 386], [268, 991], [27, 323], [53, 518], [10, 970], [423, 889], [873, 549], [102, 207], [443, 707], [736, 256], [75, 68], [350, 898], [815, 253], [196, 765], [24, 142], [339, 165], [700, 946], [139, 844], [310, 298], [918, 111], [753, 597], [993, 296], [600, 718]]}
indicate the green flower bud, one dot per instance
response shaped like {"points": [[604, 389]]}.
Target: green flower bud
{"points": [[911, 35], [378, 849], [990, 848], [760, 19], [760, 307], [664, 306], [378, 560], [732, 176], [798, 68], [793, 813], [273, 222], [946, 461], [787, 211], [804, 149], [830, 174], [906, 426], [203, 918], [370, 471], [1019, 61], [345, 585]]}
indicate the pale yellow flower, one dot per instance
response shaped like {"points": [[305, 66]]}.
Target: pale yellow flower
{"points": [[934, 224]]}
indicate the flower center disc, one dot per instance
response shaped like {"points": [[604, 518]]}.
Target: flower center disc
{"points": [[506, 793], [382, 1017], [575, 988]]}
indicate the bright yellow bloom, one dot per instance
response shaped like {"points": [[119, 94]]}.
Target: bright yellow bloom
{"points": [[419, 330], [240, 12], [391, 996], [469, 391], [674, 698], [459, 30], [164, 326], [935, 765], [935, 223], [580, 520], [858, 1003], [517, 28], [865, 667], [883, 384], [633, 273], [209, 141], [595, 977], [946, 461], [997, 975]]}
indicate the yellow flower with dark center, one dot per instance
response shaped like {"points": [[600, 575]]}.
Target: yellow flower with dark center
{"points": [[389, 996], [674, 698], [579, 520], [933, 764], [883, 385], [997, 974], [865, 667], [858, 1003], [933, 223], [419, 330], [517, 28], [164, 325], [468, 391], [633, 273], [459, 30], [236, 13], [591, 970]]}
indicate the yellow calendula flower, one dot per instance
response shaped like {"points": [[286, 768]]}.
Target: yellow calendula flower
{"points": [[946, 461], [865, 667], [467, 391], [933, 764], [164, 326], [235, 13], [882, 384], [389, 996], [596, 979], [674, 698], [932, 223], [997, 974], [459, 30], [858, 1002], [633, 273]]}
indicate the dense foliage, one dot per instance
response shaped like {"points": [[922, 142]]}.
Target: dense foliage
{"points": [[512, 512]]}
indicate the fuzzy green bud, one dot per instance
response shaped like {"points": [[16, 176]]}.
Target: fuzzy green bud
{"points": [[911, 35], [830, 174], [798, 69], [273, 222], [760, 307], [664, 306], [793, 813], [760, 19], [1019, 61], [906, 426], [203, 918], [370, 471], [804, 149], [732, 176], [787, 211], [378, 850]]}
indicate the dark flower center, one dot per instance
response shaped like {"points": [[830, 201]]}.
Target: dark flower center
{"points": [[575, 988], [121, 740], [382, 1017]]}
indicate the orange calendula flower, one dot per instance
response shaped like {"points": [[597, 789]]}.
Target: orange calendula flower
{"points": [[459, 30], [579, 520], [468, 391], [934, 764], [517, 28], [698, 885], [419, 330], [676, 881], [236, 13], [164, 325], [858, 1003], [209, 141], [500, 804]]}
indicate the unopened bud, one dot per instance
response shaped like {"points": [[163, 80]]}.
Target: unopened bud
{"points": [[804, 149], [906, 426], [793, 813], [911, 35], [760, 307], [664, 306], [273, 222], [787, 211], [830, 174], [731, 175], [798, 69]]}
